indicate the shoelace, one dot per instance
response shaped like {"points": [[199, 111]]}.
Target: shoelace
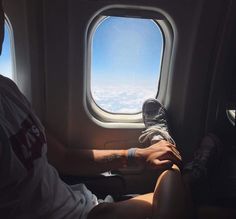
{"points": [[154, 130]]}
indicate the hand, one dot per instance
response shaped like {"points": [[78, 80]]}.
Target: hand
{"points": [[161, 155]]}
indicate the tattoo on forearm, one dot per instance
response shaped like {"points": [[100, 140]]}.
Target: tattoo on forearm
{"points": [[111, 158]]}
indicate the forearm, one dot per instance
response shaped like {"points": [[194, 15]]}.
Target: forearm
{"points": [[85, 162], [89, 162]]}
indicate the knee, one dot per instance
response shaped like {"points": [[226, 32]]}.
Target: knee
{"points": [[102, 211]]}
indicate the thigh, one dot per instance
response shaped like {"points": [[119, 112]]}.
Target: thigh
{"points": [[139, 207]]}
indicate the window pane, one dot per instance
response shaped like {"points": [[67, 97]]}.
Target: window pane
{"points": [[126, 60], [6, 58]]}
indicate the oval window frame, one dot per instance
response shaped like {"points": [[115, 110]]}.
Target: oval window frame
{"points": [[165, 24]]}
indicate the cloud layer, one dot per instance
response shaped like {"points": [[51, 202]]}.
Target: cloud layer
{"points": [[121, 99]]}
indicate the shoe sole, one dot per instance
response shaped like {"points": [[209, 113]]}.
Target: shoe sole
{"points": [[155, 103]]}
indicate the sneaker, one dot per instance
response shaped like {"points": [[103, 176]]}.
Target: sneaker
{"points": [[155, 120], [205, 160], [201, 173]]}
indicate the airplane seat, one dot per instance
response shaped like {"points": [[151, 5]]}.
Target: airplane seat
{"points": [[212, 212], [223, 186], [222, 197]]}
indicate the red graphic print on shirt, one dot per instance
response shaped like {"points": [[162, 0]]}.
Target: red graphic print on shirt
{"points": [[27, 143]]}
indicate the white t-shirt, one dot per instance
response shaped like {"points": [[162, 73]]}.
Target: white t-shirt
{"points": [[29, 186]]}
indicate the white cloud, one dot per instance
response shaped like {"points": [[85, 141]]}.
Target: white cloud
{"points": [[5, 69], [122, 99]]}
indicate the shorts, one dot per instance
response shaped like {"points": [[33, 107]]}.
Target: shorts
{"points": [[90, 200]]}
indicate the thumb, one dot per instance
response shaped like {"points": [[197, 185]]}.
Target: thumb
{"points": [[161, 164]]}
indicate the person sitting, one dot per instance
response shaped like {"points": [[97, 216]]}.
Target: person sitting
{"points": [[30, 157]]}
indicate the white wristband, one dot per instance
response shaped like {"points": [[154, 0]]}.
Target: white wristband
{"points": [[131, 154]]}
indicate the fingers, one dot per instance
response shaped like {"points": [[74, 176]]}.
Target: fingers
{"points": [[162, 155], [161, 164], [165, 152], [165, 145], [175, 151], [172, 155], [169, 151]]}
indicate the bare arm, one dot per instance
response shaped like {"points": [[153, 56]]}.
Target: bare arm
{"points": [[89, 162], [83, 162]]}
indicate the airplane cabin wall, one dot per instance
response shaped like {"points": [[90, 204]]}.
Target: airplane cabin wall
{"points": [[49, 45]]}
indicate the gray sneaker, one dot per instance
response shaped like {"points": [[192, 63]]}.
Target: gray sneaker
{"points": [[202, 173], [155, 120]]}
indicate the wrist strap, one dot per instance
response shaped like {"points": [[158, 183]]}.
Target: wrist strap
{"points": [[131, 154]]}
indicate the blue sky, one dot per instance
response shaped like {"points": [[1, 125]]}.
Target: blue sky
{"points": [[126, 58], [5, 58]]}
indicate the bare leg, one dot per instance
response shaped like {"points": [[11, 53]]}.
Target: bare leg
{"points": [[167, 201], [170, 200], [139, 207]]}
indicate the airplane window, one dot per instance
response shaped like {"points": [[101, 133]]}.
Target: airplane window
{"points": [[126, 58], [6, 56]]}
